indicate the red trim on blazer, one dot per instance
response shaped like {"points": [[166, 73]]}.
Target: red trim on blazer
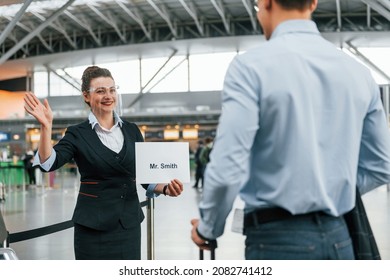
{"points": [[87, 194]]}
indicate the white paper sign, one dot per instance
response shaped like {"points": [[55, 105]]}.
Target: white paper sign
{"points": [[160, 162]]}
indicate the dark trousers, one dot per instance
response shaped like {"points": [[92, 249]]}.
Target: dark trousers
{"points": [[31, 175], [304, 237], [199, 175]]}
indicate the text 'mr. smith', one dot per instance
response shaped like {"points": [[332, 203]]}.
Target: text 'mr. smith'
{"points": [[163, 166]]}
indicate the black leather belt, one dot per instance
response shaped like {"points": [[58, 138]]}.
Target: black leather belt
{"points": [[267, 215]]}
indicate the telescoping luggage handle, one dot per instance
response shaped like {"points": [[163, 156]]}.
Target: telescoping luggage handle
{"points": [[212, 246]]}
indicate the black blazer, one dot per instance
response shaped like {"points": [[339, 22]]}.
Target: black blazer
{"points": [[108, 193]]}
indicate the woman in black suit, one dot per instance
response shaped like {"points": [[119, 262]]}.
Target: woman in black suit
{"points": [[107, 215]]}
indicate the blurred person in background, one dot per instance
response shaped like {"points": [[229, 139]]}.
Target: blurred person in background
{"points": [[198, 166], [29, 168]]}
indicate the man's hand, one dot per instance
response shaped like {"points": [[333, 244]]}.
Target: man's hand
{"points": [[201, 243]]}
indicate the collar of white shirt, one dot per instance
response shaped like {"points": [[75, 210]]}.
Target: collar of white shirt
{"points": [[93, 120]]}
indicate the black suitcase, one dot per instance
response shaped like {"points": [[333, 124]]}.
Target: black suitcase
{"points": [[212, 245]]}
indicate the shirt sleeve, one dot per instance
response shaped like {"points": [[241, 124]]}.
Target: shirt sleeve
{"points": [[374, 156], [228, 168], [150, 191], [48, 163]]}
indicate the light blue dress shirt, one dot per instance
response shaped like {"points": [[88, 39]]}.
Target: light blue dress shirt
{"points": [[112, 139], [302, 125]]}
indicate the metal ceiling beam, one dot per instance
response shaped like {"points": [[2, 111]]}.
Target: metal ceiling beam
{"points": [[191, 10], [136, 17], [216, 28], [162, 11], [58, 27], [45, 44], [72, 78], [338, 11], [194, 33], [14, 21], [188, 18], [368, 16], [38, 30], [221, 11], [248, 4], [385, 3], [109, 20], [161, 68], [28, 29], [381, 7], [85, 26], [61, 77], [24, 48], [141, 94], [167, 74]]}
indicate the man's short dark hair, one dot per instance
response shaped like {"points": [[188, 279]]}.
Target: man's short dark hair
{"points": [[295, 4]]}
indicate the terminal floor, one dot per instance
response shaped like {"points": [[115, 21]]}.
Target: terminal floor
{"points": [[39, 207]]}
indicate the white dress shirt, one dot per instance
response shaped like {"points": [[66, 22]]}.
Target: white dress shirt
{"points": [[302, 125]]}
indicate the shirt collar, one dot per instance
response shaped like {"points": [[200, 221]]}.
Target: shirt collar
{"points": [[93, 120], [295, 26]]}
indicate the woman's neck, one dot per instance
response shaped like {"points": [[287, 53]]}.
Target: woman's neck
{"points": [[106, 120]]}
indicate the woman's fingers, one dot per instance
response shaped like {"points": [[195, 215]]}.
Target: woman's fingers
{"points": [[46, 104], [29, 100], [42, 112], [175, 188], [32, 101], [179, 183]]}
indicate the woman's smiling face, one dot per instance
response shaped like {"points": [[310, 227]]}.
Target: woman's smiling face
{"points": [[102, 95]]}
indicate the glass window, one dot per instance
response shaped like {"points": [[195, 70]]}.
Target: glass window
{"points": [[59, 87], [203, 64], [376, 56], [173, 77], [40, 84], [126, 75]]}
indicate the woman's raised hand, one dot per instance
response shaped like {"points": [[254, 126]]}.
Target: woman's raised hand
{"points": [[41, 112]]}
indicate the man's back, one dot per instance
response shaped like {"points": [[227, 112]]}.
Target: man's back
{"points": [[312, 103], [302, 124]]}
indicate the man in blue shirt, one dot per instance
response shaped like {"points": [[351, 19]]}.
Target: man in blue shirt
{"points": [[302, 125]]}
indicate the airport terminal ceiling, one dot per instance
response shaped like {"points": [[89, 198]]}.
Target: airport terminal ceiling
{"points": [[66, 33], [57, 34]]}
